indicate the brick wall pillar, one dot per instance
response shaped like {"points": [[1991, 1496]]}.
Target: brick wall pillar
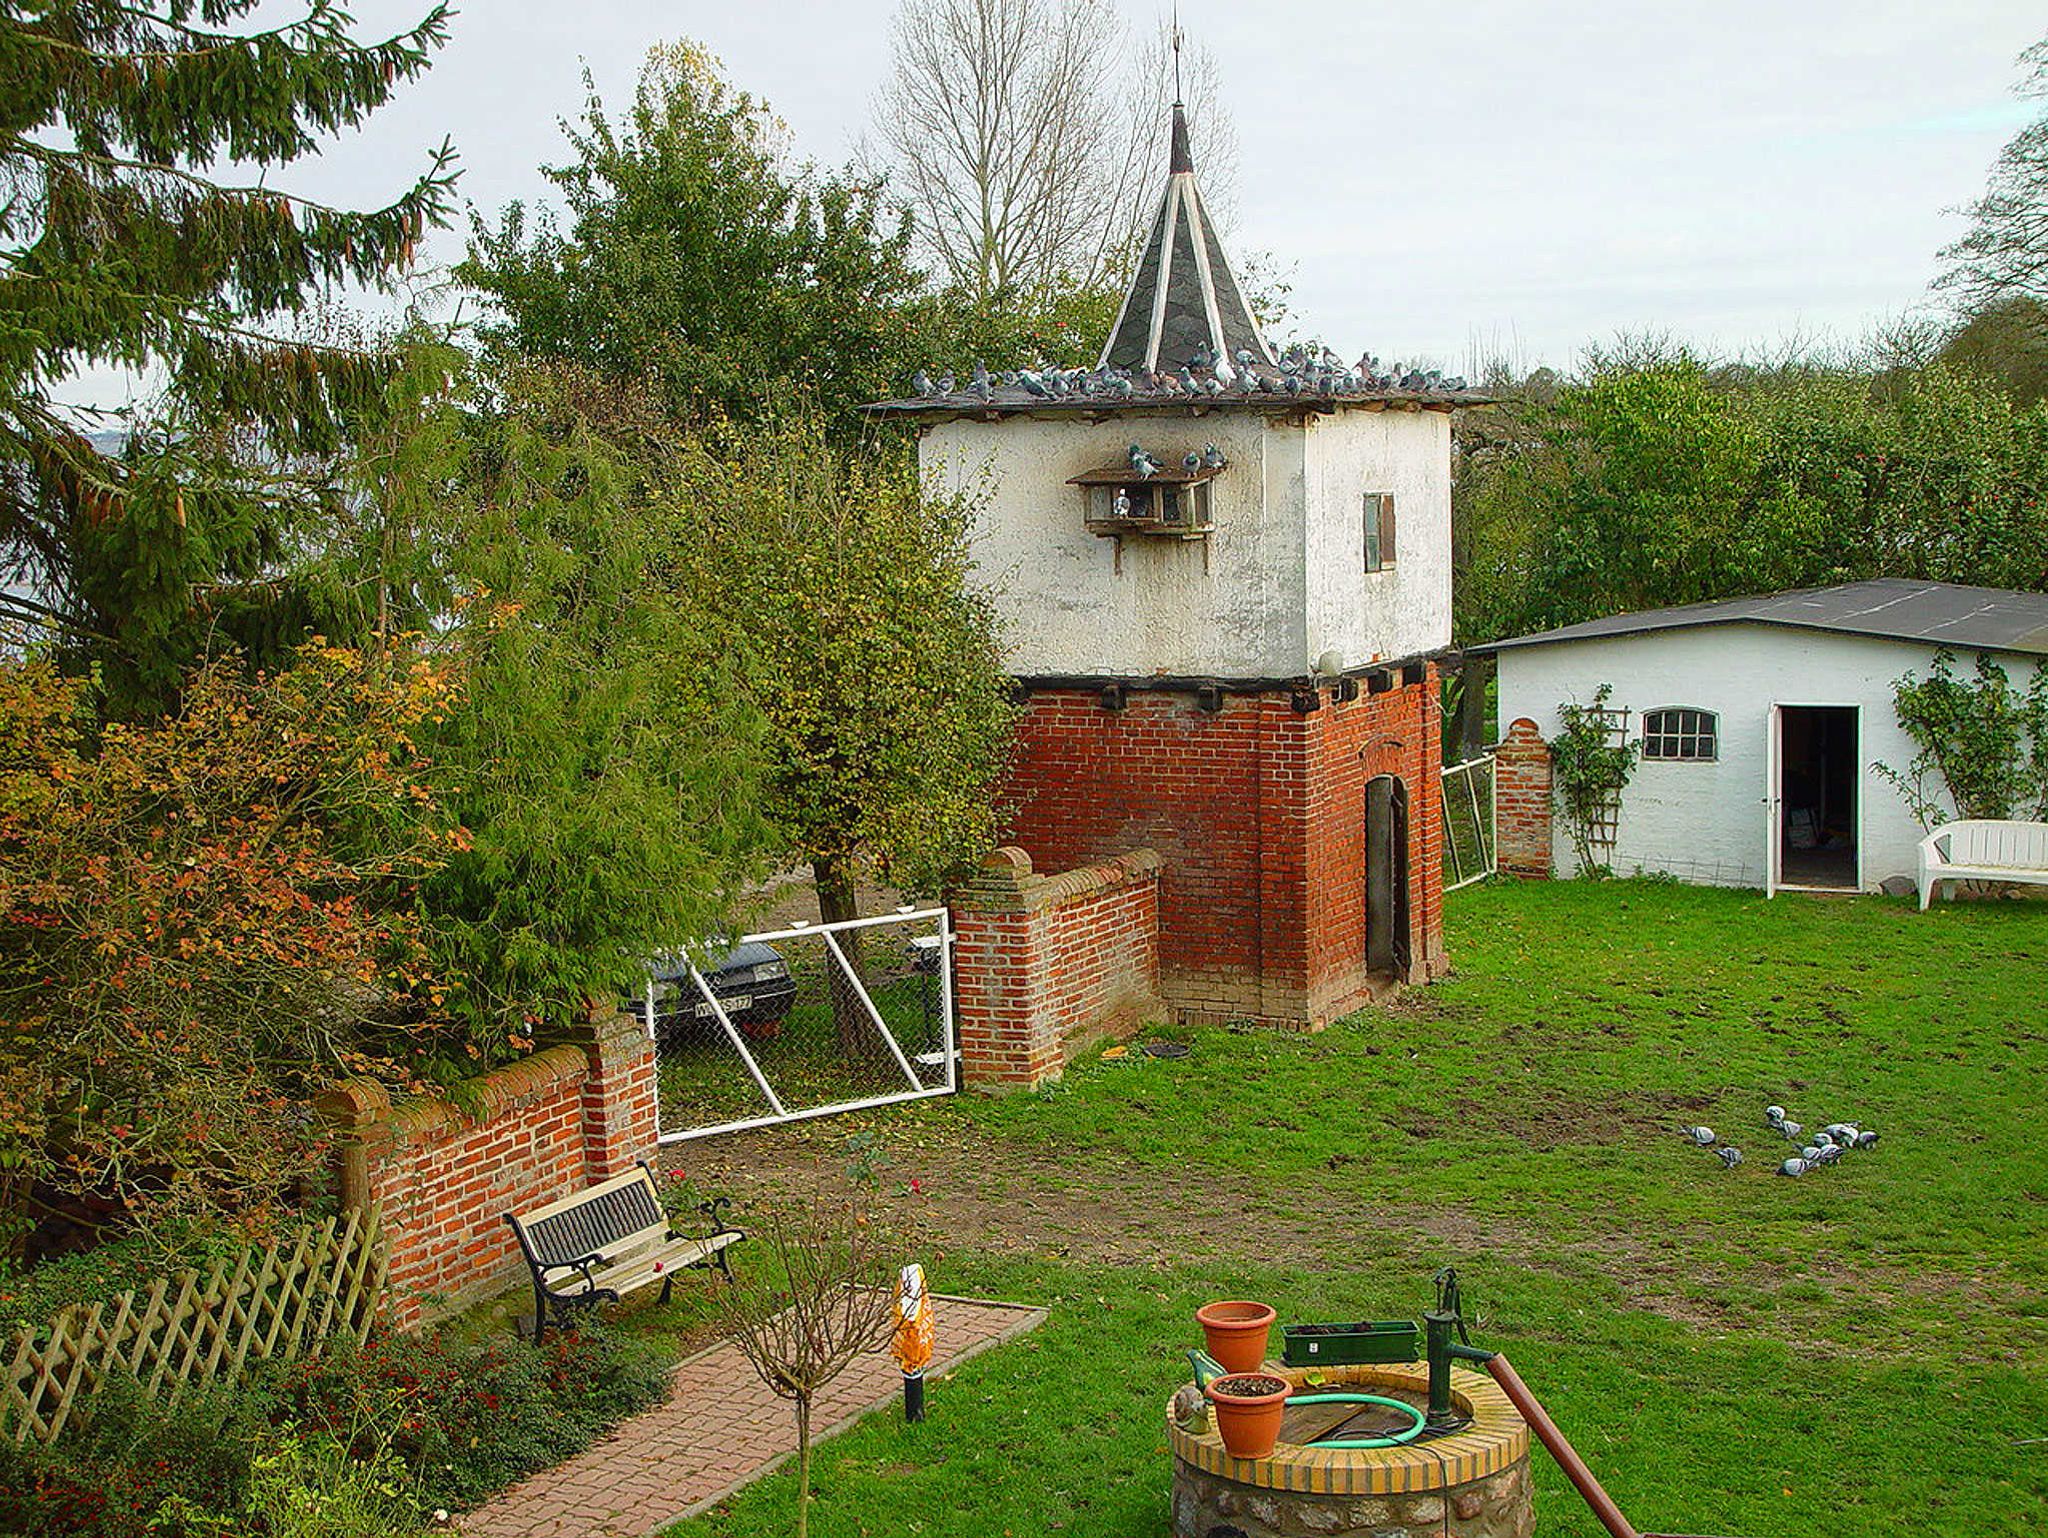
{"points": [[1521, 789], [620, 1122], [1039, 959]]}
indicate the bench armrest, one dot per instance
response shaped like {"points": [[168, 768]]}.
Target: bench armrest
{"points": [[714, 1211], [583, 1265]]}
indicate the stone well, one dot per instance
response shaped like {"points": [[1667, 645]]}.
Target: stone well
{"points": [[1473, 1483]]}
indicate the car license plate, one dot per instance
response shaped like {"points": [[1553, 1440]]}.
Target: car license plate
{"points": [[732, 1005]]}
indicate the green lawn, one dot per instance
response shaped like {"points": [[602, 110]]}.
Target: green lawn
{"points": [[1861, 1352]]}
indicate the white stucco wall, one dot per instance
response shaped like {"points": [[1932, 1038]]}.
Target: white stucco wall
{"points": [[1283, 582], [1706, 821], [1403, 611]]}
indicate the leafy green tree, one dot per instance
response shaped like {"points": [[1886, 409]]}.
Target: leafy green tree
{"points": [[121, 251], [872, 657], [698, 255], [2006, 341], [601, 753], [1659, 480]]}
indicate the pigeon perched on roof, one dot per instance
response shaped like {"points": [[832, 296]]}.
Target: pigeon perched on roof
{"points": [[980, 379], [921, 382], [1187, 380], [1729, 1157], [1191, 461], [945, 384], [1144, 464], [1213, 457], [1202, 358], [1033, 381]]}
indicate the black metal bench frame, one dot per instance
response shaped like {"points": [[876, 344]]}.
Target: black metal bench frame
{"points": [[617, 1238]]}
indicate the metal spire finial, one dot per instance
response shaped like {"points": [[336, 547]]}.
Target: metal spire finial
{"points": [[1176, 53]]}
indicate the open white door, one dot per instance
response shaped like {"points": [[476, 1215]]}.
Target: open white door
{"points": [[1859, 787], [1774, 780]]}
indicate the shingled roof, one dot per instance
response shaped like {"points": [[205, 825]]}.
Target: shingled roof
{"points": [[1183, 297]]}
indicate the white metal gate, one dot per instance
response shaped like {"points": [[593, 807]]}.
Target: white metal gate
{"points": [[1468, 804], [805, 1021]]}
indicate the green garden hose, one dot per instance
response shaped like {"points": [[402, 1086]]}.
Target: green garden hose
{"points": [[1397, 1439]]}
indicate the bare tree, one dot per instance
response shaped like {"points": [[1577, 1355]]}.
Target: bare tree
{"points": [[2005, 252], [1028, 136], [826, 1296]]}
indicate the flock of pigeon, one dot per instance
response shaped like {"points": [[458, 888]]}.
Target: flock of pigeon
{"points": [[1818, 1149], [1144, 466], [1302, 371]]}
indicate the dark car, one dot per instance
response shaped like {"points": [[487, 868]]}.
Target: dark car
{"points": [[752, 984]]}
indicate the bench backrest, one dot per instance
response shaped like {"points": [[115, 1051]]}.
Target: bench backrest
{"points": [[1983, 841], [619, 1214]]}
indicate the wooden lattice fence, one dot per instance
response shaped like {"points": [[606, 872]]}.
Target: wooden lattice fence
{"points": [[269, 1305]]}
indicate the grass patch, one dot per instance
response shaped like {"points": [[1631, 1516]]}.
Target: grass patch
{"points": [[1861, 1352]]}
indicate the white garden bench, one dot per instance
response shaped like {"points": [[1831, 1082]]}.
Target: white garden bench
{"points": [[1980, 849], [610, 1240]]}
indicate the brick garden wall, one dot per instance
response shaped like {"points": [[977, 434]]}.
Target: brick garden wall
{"points": [[541, 1128], [1521, 788], [1039, 961], [1258, 812]]}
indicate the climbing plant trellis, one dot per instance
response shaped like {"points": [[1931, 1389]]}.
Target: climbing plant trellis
{"points": [[268, 1305]]}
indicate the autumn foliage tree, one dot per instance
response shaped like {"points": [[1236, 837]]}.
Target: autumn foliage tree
{"points": [[203, 920]]}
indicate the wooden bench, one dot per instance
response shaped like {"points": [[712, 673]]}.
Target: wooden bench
{"points": [[600, 1244], [1979, 849]]}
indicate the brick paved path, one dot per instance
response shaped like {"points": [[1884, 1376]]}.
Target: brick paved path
{"points": [[720, 1429]]}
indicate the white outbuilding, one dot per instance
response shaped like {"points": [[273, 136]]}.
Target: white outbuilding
{"points": [[1766, 725]]}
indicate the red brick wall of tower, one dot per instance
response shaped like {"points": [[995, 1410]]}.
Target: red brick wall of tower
{"points": [[1258, 813]]}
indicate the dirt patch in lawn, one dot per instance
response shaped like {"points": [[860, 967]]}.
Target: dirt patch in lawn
{"points": [[983, 1195], [995, 1197]]}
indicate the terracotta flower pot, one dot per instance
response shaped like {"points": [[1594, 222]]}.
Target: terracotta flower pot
{"points": [[1236, 1333], [1248, 1410]]}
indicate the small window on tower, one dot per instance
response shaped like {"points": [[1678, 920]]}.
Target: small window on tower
{"points": [[1379, 531]]}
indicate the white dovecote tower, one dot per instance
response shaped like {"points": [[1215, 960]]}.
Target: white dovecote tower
{"points": [[1224, 573]]}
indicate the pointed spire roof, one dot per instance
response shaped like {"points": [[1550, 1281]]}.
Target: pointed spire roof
{"points": [[1183, 296]]}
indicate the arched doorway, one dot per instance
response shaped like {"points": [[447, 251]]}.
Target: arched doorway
{"points": [[1386, 877]]}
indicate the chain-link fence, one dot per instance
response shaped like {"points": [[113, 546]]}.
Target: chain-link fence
{"points": [[804, 1021]]}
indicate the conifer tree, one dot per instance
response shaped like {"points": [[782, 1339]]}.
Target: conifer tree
{"points": [[121, 249]]}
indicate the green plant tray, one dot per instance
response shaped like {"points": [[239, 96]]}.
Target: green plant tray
{"points": [[1341, 1345]]}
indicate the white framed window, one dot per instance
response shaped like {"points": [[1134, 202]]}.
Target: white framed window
{"points": [[1681, 734], [1379, 531]]}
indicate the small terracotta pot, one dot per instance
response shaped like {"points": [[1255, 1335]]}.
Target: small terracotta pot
{"points": [[1248, 1410], [1236, 1333]]}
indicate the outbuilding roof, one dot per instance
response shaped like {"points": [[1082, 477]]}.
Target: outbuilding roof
{"points": [[1895, 608]]}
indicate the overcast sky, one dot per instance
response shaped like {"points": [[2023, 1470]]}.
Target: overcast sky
{"points": [[1526, 175]]}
